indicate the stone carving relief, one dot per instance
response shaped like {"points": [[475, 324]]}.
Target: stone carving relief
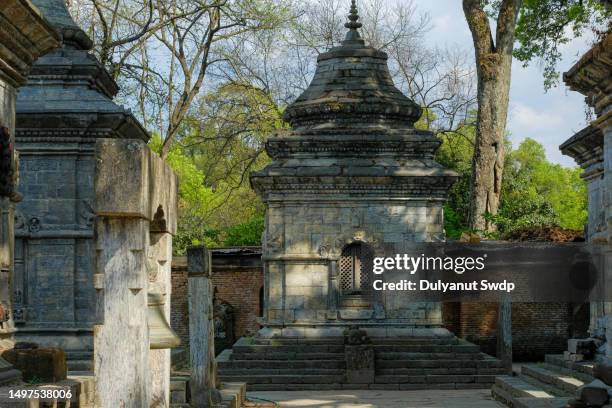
{"points": [[87, 213], [7, 166], [159, 223], [274, 238], [332, 247], [34, 224], [20, 221]]}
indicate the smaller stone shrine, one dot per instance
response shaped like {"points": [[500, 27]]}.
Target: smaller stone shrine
{"points": [[25, 36], [63, 109], [352, 177]]}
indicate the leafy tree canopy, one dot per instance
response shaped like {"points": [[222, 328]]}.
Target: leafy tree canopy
{"points": [[535, 192], [545, 25]]}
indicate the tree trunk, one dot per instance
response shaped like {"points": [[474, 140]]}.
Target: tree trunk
{"points": [[493, 67], [488, 159]]}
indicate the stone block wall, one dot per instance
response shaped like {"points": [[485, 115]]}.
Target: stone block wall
{"points": [[54, 251], [308, 236]]}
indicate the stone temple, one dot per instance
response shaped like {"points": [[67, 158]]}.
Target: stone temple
{"points": [[63, 109], [351, 177]]}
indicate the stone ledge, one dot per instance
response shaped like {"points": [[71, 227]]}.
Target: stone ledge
{"points": [[28, 36]]}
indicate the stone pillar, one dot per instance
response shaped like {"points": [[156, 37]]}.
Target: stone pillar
{"points": [[121, 343], [136, 217], [160, 262], [504, 333], [203, 382]]}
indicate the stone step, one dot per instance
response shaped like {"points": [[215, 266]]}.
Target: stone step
{"points": [[441, 370], [281, 364], [399, 360], [548, 375], [415, 341], [286, 356], [289, 348], [435, 379], [507, 388], [244, 341], [439, 363], [433, 348], [233, 393], [294, 387], [282, 379], [280, 371], [541, 403], [380, 387], [584, 367], [79, 355], [80, 365]]}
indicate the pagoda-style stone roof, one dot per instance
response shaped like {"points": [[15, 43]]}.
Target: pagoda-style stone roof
{"points": [[55, 12], [69, 93], [586, 148], [352, 87], [353, 135], [591, 75], [25, 35]]}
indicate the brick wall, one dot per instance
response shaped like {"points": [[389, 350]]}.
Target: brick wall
{"points": [[237, 276], [179, 309], [537, 328]]}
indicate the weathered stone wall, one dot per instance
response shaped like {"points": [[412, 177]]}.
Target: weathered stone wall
{"points": [[299, 282], [135, 220]]}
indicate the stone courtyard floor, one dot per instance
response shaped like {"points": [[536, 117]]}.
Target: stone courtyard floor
{"points": [[380, 399]]}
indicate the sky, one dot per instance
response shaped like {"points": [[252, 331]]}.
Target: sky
{"points": [[548, 117]]}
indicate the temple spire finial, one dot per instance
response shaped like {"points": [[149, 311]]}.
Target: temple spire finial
{"points": [[353, 24]]}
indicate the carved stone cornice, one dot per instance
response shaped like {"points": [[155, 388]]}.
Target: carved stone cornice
{"points": [[24, 36], [411, 144], [591, 75], [586, 148]]}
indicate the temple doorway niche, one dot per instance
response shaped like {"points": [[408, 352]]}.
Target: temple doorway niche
{"points": [[355, 275]]}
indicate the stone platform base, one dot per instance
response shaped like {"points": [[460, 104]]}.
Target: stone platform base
{"points": [[400, 363], [337, 330], [233, 394]]}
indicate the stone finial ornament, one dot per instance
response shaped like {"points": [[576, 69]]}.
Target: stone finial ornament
{"points": [[353, 24], [352, 89]]}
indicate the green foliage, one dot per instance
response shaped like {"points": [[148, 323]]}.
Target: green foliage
{"points": [[544, 25], [221, 144], [456, 154], [248, 233], [535, 192]]}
